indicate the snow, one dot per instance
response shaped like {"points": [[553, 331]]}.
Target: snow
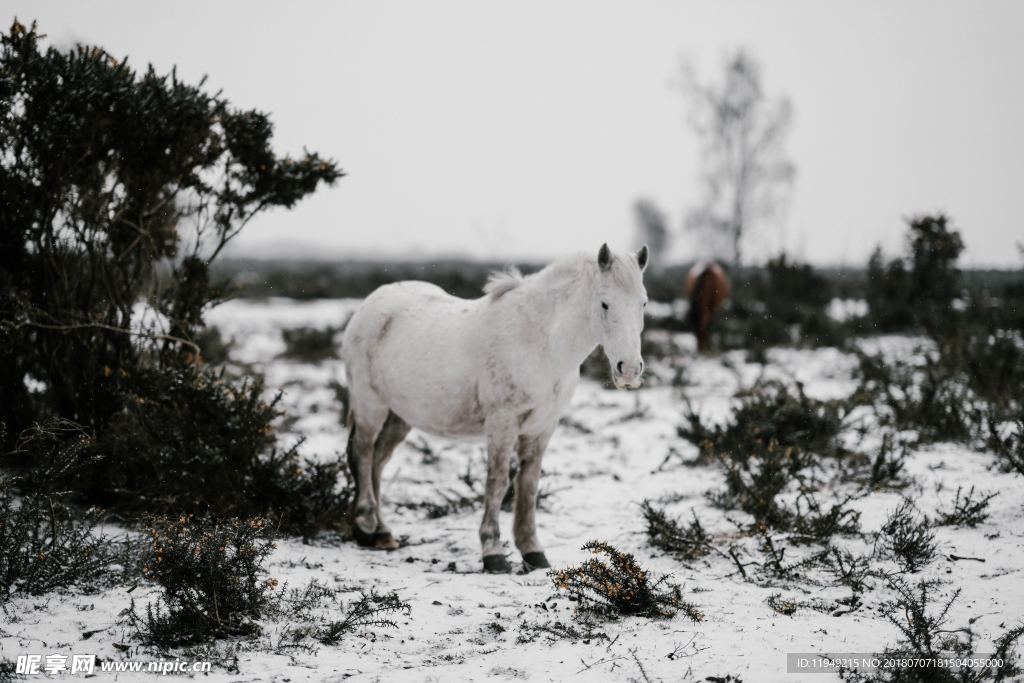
{"points": [[464, 624]]}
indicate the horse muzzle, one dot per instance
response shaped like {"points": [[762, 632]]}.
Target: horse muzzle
{"points": [[627, 375]]}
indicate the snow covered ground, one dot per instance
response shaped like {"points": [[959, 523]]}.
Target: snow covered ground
{"points": [[613, 454]]}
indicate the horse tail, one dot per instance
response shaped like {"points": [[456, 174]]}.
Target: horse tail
{"points": [[350, 451]]}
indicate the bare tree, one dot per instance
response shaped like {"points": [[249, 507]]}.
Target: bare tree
{"points": [[651, 229], [746, 172]]}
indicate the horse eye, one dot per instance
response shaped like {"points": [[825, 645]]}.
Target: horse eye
{"points": [[645, 304], [604, 305]]}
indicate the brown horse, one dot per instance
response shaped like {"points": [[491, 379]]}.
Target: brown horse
{"points": [[707, 287]]}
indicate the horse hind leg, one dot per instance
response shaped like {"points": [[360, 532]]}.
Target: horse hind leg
{"points": [[393, 432], [366, 424]]}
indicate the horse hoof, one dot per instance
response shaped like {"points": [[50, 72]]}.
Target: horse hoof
{"points": [[383, 540], [363, 538], [378, 540], [535, 560], [497, 564]]}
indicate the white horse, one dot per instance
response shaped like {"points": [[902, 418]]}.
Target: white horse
{"points": [[504, 366]]}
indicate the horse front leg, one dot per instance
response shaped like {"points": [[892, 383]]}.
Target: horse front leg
{"points": [[531, 451], [501, 439]]}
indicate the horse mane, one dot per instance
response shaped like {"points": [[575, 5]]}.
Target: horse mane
{"points": [[501, 282]]}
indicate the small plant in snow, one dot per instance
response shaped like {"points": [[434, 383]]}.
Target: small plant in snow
{"points": [[906, 538], [618, 586], [371, 609], [685, 542], [967, 510], [926, 637]]}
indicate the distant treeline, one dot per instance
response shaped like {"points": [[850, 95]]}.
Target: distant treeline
{"points": [[312, 279]]}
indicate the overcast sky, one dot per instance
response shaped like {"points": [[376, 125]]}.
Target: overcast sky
{"points": [[528, 129]]}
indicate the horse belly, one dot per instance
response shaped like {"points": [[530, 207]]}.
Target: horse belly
{"points": [[427, 374]]}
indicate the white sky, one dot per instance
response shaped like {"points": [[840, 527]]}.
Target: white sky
{"points": [[528, 129]]}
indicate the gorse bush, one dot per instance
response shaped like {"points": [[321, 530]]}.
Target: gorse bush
{"points": [[613, 584], [45, 542], [210, 575], [223, 459], [990, 363], [119, 186], [754, 483], [926, 637], [770, 414], [930, 400], [214, 584], [688, 542]]}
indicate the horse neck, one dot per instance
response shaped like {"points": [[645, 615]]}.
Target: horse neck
{"points": [[567, 316]]}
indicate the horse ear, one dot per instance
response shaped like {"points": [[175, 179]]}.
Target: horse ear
{"points": [[642, 257], [604, 257]]}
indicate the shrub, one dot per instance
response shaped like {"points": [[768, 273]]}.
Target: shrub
{"points": [[223, 460], [917, 290], [887, 467], [1009, 448], [852, 571], [213, 585], [686, 543], [370, 610], [753, 484], [310, 344], [906, 538], [812, 523], [771, 414], [930, 400], [46, 543], [210, 576], [165, 175], [926, 638], [311, 613], [773, 564], [991, 364], [967, 510], [618, 586]]}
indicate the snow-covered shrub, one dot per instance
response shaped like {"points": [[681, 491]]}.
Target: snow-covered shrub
{"points": [[618, 586]]}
